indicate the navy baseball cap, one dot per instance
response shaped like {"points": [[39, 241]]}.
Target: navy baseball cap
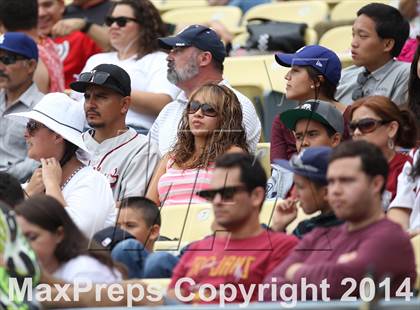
{"points": [[20, 44], [105, 75], [311, 163], [322, 59], [317, 110], [199, 36]]}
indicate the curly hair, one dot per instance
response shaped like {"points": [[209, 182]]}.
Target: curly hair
{"points": [[152, 26], [230, 131]]}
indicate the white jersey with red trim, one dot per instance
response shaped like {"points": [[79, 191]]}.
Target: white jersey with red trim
{"points": [[127, 160]]}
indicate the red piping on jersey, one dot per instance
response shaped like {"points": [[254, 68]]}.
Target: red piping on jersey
{"points": [[106, 155]]}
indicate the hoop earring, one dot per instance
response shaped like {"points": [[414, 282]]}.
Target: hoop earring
{"points": [[312, 86], [391, 144]]}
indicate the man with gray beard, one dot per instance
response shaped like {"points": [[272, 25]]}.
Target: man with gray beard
{"points": [[196, 56]]}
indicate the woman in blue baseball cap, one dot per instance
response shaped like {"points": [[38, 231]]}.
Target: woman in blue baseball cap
{"points": [[314, 73]]}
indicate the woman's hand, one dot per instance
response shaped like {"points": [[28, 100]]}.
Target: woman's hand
{"points": [[36, 183], [51, 172]]}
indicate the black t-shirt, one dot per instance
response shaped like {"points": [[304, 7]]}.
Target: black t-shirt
{"points": [[95, 14]]}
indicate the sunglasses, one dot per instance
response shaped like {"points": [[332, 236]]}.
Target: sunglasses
{"points": [[206, 108], [226, 193], [366, 125], [32, 126], [10, 59], [121, 20], [97, 77]]}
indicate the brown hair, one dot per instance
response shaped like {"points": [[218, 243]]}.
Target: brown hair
{"points": [[230, 132], [388, 111]]}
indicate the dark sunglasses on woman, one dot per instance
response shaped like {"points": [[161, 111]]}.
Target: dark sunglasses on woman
{"points": [[32, 126], [366, 125], [206, 108], [121, 20]]}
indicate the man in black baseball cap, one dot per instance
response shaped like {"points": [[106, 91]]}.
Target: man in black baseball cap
{"points": [[124, 156], [195, 57]]}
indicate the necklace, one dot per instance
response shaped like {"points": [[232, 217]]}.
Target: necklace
{"points": [[71, 176]]}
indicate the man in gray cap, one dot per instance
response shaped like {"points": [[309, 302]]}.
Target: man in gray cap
{"points": [[18, 60], [196, 56]]}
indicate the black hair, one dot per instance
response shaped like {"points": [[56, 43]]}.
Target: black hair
{"points": [[414, 86], [48, 213], [415, 173], [69, 151], [149, 210], [252, 173], [16, 15], [325, 87], [11, 192], [373, 160], [390, 24]]}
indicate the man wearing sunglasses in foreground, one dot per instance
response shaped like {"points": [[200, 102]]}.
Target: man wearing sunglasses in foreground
{"points": [[18, 60]]}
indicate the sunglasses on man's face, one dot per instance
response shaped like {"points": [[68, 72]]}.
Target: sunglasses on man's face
{"points": [[366, 125], [206, 108], [226, 193], [10, 59], [32, 126], [121, 20]]}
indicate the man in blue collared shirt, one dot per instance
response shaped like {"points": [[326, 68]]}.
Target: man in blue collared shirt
{"points": [[379, 33], [18, 61]]}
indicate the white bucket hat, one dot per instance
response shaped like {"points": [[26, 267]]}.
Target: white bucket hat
{"points": [[61, 114]]}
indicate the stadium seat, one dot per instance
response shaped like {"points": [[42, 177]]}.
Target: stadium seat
{"points": [[339, 39], [166, 5], [263, 155], [309, 12], [416, 246], [186, 223], [162, 284], [229, 16], [347, 9]]}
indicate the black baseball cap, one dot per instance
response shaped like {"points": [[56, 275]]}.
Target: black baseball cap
{"points": [[199, 36], [105, 75]]}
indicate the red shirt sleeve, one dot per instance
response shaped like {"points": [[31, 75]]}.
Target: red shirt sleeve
{"points": [[283, 143]]}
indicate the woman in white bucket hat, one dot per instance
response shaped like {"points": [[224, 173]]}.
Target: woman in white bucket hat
{"points": [[53, 134]]}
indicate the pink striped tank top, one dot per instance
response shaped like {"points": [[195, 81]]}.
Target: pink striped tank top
{"points": [[178, 186]]}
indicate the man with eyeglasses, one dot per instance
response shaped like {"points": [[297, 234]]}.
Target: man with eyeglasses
{"points": [[18, 61], [196, 56], [379, 34], [126, 157]]}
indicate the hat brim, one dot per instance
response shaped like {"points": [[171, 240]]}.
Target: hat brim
{"points": [[289, 60], [291, 117], [70, 134], [314, 177], [171, 42], [81, 87]]}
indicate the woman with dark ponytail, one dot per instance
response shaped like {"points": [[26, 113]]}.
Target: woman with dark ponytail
{"points": [[379, 121], [53, 135], [414, 88]]}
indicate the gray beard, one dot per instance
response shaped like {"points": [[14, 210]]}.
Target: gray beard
{"points": [[185, 74]]}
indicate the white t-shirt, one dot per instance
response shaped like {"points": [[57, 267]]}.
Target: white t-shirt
{"points": [[85, 269], [165, 129], [408, 192], [89, 201], [147, 74]]}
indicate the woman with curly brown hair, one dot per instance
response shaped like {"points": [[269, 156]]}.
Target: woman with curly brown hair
{"points": [[134, 26], [211, 126]]}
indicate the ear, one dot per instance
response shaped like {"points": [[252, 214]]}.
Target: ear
{"points": [[321, 80], [125, 104], [377, 184], [58, 139], [388, 45], [59, 234], [204, 59], [258, 197], [154, 233], [31, 65], [393, 129], [335, 139]]}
